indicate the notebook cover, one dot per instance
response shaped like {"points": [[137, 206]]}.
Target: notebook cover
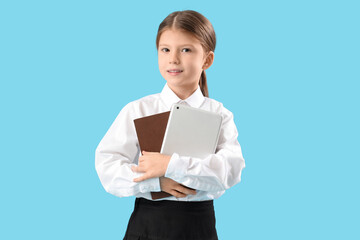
{"points": [[150, 131]]}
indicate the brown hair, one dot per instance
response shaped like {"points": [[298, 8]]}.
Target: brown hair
{"points": [[195, 23]]}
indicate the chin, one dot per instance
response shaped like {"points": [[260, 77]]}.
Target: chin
{"points": [[180, 84]]}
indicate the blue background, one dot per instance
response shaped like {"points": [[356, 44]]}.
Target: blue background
{"points": [[288, 70]]}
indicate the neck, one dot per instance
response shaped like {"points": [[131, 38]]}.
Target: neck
{"points": [[183, 93]]}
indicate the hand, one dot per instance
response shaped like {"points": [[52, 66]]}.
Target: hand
{"points": [[152, 164], [174, 188]]}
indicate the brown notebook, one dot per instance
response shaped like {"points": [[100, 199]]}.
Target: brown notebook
{"points": [[150, 131]]}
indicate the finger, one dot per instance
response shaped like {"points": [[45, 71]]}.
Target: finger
{"points": [[145, 152], [143, 177], [140, 179], [186, 190], [178, 194], [192, 190], [137, 169], [137, 180]]}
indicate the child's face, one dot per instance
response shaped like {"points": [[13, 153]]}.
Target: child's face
{"points": [[180, 50]]}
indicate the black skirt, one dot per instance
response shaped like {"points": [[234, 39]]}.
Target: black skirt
{"points": [[172, 220]]}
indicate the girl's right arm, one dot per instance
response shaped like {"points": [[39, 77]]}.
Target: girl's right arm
{"points": [[116, 153]]}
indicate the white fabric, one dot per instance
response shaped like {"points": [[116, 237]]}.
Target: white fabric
{"points": [[211, 176]]}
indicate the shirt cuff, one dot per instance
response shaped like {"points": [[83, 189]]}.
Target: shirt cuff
{"points": [[150, 185], [176, 168]]}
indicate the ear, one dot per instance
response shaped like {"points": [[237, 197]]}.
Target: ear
{"points": [[209, 60]]}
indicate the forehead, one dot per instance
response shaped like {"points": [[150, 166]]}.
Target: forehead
{"points": [[178, 37]]}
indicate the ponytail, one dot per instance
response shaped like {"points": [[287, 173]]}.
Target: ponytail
{"points": [[203, 84]]}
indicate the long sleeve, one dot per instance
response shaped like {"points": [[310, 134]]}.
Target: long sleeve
{"points": [[116, 153], [218, 171]]}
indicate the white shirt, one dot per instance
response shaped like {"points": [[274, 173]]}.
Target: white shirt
{"points": [[211, 176]]}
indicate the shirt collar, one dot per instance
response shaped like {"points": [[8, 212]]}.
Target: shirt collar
{"points": [[169, 97]]}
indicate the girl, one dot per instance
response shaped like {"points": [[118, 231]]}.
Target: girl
{"points": [[185, 43]]}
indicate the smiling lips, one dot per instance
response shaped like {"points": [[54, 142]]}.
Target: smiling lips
{"points": [[174, 72]]}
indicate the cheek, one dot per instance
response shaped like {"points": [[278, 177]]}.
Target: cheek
{"points": [[194, 67], [194, 63], [161, 62]]}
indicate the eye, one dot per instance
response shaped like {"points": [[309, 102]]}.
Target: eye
{"points": [[187, 49], [164, 49]]}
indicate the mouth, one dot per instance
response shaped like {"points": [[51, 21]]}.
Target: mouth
{"points": [[174, 72]]}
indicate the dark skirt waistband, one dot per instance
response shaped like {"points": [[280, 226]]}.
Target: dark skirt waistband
{"points": [[181, 205]]}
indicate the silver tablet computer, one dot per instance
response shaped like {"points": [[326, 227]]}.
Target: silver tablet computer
{"points": [[191, 132]]}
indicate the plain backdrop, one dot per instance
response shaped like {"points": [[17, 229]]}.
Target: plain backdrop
{"points": [[288, 70]]}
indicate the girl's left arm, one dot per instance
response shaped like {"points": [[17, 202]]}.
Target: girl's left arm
{"points": [[218, 171]]}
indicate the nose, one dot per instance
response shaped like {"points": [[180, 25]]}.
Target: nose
{"points": [[174, 58]]}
